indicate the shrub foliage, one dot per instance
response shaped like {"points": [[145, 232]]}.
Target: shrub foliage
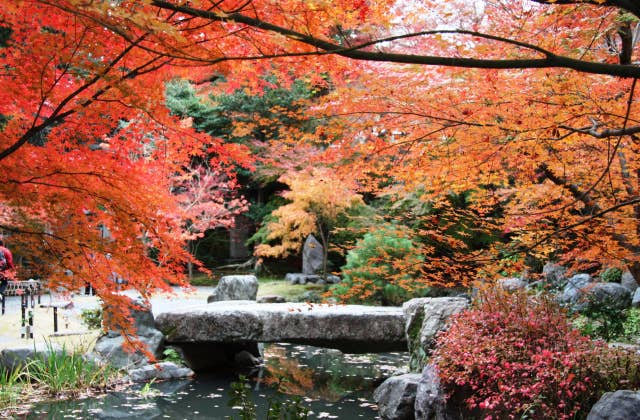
{"points": [[516, 355], [383, 268]]}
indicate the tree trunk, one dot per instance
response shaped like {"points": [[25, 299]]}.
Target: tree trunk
{"points": [[191, 248]]}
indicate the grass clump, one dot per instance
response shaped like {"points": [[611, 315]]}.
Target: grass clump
{"points": [[57, 372], [54, 373]]}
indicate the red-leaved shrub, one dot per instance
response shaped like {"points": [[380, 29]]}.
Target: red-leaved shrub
{"points": [[513, 355]]}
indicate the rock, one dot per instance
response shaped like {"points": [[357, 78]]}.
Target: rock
{"points": [[614, 296], [635, 301], [351, 327], [512, 284], [309, 296], [271, 299], [430, 401], [300, 278], [239, 287], [312, 255], [246, 359], [573, 290], [430, 398], [396, 397], [554, 274], [162, 371], [618, 405], [12, 359], [628, 281], [425, 317], [109, 349]]}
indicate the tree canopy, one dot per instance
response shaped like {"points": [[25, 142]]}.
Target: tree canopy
{"points": [[527, 107]]}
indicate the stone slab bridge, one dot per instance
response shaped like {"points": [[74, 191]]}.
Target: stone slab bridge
{"points": [[232, 326]]}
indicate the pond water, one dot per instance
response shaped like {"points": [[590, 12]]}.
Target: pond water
{"points": [[331, 384]]}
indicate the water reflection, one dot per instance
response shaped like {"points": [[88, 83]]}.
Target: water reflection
{"points": [[332, 384]]}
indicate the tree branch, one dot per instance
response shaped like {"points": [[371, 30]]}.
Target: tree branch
{"points": [[591, 206], [549, 61], [631, 6]]}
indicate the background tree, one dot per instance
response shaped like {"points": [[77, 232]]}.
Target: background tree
{"points": [[317, 199], [208, 199]]}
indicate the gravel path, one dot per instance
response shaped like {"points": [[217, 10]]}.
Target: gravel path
{"points": [[71, 331]]}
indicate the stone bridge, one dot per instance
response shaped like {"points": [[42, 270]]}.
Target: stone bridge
{"points": [[240, 324]]}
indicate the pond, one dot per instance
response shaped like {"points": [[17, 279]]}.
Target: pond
{"points": [[331, 384]]}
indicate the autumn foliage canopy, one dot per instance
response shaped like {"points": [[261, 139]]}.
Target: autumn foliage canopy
{"points": [[527, 108]]}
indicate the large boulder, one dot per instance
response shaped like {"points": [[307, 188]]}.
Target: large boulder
{"points": [[430, 400], [425, 317], [431, 403], [574, 289], [618, 405], [238, 287], [613, 296], [109, 348], [312, 255], [554, 274], [14, 358], [512, 284], [396, 397], [635, 301], [628, 281]]}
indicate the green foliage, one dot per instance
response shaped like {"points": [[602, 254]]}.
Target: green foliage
{"points": [[382, 268], [146, 391], [278, 106], [12, 384], [59, 371], [171, 355], [604, 319], [610, 324], [631, 326], [239, 397], [201, 279], [92, 318], [611, 275]]}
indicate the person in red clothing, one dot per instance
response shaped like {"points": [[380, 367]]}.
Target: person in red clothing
{"points": [[6, 267]]}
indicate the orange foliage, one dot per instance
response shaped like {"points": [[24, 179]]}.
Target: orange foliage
{"points": [[528, 105]]}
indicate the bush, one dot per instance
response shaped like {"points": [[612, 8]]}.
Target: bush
{"points": [[515, 355], [611, 275], [631, 325], [92, 318], [382, 269], [604, 319]]}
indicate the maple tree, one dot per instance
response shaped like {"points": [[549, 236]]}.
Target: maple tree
{"points": [[86, 147], [527, 107], [208, 200], [317, 199]]}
